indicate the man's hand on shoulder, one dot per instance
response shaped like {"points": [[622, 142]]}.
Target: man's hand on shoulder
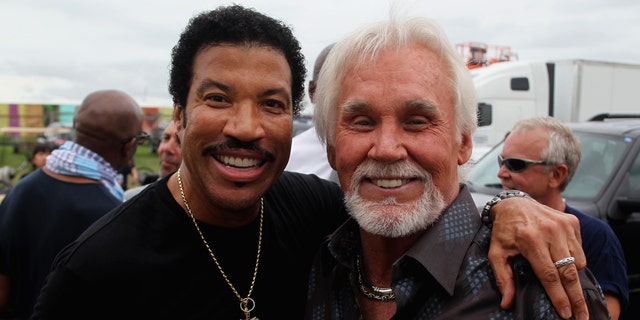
{"points": [[543, 236]]}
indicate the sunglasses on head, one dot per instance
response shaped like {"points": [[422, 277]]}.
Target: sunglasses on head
{"points": [[518, 164]]}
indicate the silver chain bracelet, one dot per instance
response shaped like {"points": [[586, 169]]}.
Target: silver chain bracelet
{"points": [[506, 194]]}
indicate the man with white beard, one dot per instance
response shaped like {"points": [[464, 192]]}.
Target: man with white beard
{"points": [[396, 108]]}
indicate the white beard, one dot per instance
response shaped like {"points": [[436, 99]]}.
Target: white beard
{"points": [[389, 218]]}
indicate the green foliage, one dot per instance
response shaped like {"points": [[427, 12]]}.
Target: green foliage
{"points": [[144, 158]]}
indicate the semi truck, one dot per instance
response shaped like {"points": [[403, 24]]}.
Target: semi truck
{"points": [[570, 90]]}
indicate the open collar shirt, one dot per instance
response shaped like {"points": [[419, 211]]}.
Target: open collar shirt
{"points": [[445, 275]]}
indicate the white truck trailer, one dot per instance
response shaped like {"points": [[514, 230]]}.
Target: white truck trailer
{"points": [[570, 90]]}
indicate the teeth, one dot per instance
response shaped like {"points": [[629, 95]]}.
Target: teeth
{"points": [[389, 183], [239, 162]]}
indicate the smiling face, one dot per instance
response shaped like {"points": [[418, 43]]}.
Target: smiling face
{"points": [[237, 137], [397, 146]]}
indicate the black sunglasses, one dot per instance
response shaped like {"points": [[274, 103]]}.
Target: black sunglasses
{"points": [[140, 139], [518, 164]]}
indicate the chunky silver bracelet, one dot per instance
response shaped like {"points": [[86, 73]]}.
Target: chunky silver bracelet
{"points": [[486, 211]]}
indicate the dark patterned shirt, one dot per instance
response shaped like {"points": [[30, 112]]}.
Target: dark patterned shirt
{"points": [[445, 275]]}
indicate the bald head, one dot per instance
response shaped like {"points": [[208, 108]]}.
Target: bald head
{"points": [[316, 70], [320, 61], [108, 114], [103, 120]]}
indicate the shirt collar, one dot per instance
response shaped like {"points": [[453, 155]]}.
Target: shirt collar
{"points": [[439, 250], [443, 247]]}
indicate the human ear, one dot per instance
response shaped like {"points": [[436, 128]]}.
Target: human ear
{"points": [[558, 174], [465, 148]]}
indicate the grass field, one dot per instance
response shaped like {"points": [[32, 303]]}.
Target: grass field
{"points": [[144, 159]]}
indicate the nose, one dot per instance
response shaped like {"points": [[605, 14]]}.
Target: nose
{"points": [[503, 172], [245, 122], [388, 144]]}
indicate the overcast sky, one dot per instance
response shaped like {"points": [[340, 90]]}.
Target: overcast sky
{"points": [[57, 51]]}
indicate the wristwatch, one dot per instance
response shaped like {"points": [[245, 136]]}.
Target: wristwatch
{"points": [[486, 211]]}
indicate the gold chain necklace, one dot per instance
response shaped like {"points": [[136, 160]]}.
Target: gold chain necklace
{"points": [[246, 304]]}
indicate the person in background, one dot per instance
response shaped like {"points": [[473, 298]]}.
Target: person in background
{"points": [[125, 172], [39, 155], [540, 156], [231, 234], [170, 157], [37, 159], [50, 207], [308, 155], [396, 107]]}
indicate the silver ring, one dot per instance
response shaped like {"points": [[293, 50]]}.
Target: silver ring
{"points": [[565, 262]]}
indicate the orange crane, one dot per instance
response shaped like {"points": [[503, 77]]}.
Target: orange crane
{"points": [[479, 54]]}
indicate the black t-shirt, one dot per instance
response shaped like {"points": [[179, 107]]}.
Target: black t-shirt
{"points": [[145, 260], [39, 217]]}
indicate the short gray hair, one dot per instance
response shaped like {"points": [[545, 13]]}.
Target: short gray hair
{"points": [[562, 146], [365, 44]]}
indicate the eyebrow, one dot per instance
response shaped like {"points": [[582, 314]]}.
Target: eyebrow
{"points": [[415, 105], [421, 105], [209, 83], [276, 91], [356, 106]]}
